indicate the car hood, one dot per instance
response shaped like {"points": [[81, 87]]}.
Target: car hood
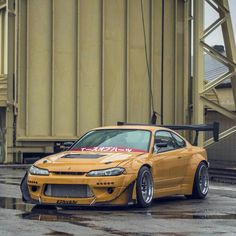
{"points": [[81, 161]]}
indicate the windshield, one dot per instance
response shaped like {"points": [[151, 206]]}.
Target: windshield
{"points": [[114, 140]]}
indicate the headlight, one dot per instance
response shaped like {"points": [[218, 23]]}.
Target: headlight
{"points": [[38, 171], [108, 172]]}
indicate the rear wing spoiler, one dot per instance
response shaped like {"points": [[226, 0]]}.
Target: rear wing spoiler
{"points": [[214, 127]]}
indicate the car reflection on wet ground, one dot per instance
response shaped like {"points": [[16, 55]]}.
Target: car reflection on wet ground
{"points": [[167, 216]]}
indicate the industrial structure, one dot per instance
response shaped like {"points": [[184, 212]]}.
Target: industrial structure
{"points": [[69, 66]]}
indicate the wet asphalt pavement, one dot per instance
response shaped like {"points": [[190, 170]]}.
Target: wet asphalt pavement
{"points": [[175, 216]]}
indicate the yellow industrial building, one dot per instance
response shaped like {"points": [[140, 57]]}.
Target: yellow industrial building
{"points": [[68, 66]]}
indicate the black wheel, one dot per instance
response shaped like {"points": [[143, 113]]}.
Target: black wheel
{"points": [[201, 182], [144, 187]]}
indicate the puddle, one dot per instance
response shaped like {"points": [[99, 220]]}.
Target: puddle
{"points": [[59, 233], [190, 215], [10, 180], [10, 177], [73, 215], [88, 217], [55, 215], [52, 214], [14, 204], [9, 183], [195, 216]]}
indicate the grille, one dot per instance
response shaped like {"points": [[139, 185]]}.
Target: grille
{"points": [[67, 173], [68, 190]]}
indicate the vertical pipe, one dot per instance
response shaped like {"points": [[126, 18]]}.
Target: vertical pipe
{"points": [[52, 69], [186, 61], [5, 72], [77, 67], [162, 61], [27, 69], [175, 78], [190, 62], [15, 55], [151, 56], [102, 63], [18, 61], [5, 44], [127, 60]]}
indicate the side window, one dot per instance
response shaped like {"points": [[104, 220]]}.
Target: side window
{"points": [[164, 137], [179, 141]]}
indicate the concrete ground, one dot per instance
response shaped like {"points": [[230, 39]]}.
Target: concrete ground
{"points": [[175, 216]]}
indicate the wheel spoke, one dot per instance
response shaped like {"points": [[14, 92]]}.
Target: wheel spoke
{"points": [[146, 187], [203, 179]]}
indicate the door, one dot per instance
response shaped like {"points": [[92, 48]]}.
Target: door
{"points": [[170, 161]]}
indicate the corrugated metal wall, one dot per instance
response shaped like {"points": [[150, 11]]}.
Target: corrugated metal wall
{"points": [[81, 64]]}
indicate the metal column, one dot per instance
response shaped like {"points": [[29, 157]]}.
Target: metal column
{"points": [[7, 74], [198, 68]]}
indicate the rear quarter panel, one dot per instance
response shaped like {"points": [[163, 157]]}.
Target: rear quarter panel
{"points": [[199, 154]]}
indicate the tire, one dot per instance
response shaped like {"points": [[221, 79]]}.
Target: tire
{"points": [[201, 182], [144, 187]]}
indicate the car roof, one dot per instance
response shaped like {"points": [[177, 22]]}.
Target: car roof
{"points": [[140, 127]]}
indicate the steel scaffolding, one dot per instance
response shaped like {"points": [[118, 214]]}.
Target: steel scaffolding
{"points": [[201, 47]]}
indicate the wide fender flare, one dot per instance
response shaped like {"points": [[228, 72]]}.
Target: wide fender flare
{"points": [[191, 171], [134, 192], [24, 188]]}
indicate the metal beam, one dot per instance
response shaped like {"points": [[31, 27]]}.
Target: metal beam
{"points": [[198, 68], [212, 84], [217, 55], [219, 108], [222, 136], [223, 6], [230, 47], [213, 26]]}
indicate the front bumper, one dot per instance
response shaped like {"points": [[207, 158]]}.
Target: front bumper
{"points": [[112, 190]]}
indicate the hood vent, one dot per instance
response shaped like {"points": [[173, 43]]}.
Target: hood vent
{"points": [[88, 156]]}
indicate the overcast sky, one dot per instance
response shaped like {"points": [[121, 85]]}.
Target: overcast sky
{"points": [[211, 15]]}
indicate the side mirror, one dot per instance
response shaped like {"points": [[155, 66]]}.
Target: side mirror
{"points": [[67, 145], [62, 146], [157, 146], [162, 144]]}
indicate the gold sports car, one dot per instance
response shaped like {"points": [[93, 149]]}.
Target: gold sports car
{"points": [[121, 165]]}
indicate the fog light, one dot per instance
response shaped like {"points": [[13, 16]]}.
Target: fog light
{"points": [[110, 190], [34, 188]]}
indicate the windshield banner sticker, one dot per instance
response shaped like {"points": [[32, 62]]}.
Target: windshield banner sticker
{"points": [[108, 149]]}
